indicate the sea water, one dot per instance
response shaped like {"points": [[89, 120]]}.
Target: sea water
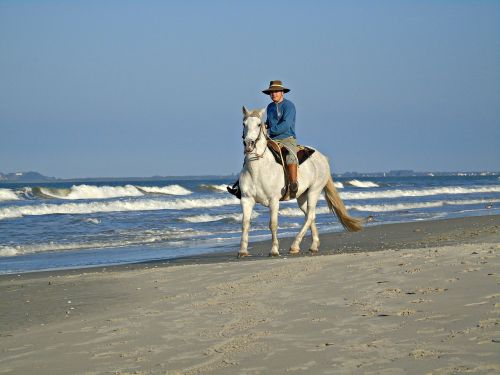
{"points": [[81, 224]]}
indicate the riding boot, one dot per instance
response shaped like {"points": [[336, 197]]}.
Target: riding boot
{"points": [[293, 185], [235, 190]]}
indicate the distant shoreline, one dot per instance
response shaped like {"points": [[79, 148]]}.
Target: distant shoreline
{"points": [[8, 179]]}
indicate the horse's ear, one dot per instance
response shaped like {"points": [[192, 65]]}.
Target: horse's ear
{"points": [[261, 112], [246, 112]]}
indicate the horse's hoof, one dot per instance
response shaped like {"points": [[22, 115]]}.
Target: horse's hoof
{"points": [[313, 251], [244, 255], [293, 251], [274, 254]]}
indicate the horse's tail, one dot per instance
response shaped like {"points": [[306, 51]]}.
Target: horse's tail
{"points": [[336, 206]]}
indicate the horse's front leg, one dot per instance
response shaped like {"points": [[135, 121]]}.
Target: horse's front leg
{"points": [[273, 226], [247, 206]]}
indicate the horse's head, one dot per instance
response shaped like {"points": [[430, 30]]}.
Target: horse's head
{"points": [[253, 128]]}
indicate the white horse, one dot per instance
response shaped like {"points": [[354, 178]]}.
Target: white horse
{"points": [[262, 179]]}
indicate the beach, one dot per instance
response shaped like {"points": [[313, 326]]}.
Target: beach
{"points": [[409, 298]]}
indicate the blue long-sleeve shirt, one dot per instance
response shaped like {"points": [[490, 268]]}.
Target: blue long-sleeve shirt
{"points": [[281, 119]]}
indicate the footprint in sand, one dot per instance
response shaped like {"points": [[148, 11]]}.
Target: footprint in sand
{"points": [[406, 312], [431, 290], [414, 270], [424, 354], [391, 292], [471, 270], [421, 300]]}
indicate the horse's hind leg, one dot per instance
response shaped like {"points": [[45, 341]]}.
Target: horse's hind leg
{"points": [[312, 199], [302, 201]]}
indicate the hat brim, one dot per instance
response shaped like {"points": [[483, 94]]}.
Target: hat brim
{"points": [[270, 90]]}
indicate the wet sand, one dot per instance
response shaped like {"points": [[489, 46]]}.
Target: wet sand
{"points": [[410, 298]]}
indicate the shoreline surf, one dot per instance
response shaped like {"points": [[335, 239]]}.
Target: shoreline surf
{"points": [[71, 225], [408, 235]]}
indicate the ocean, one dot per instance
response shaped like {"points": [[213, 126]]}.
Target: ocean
{"points": [[76, 224]]}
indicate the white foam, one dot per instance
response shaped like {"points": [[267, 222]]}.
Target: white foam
{"points": [[297, 212], [220, 188], [203, 218], [7, 251], [106, 192], [139, 238], [8, 195], [91, 192], [111, 206], [338, 185], [92, 220], [417, 205], [394, 207], [419, 193], [169, 190], [361, 184], [210, 218]]}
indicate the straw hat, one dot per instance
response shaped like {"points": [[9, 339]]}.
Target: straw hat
{"points": [[275, 86]]}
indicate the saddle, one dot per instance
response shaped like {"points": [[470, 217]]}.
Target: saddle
{"points": [[280, 153], [303, 152]]}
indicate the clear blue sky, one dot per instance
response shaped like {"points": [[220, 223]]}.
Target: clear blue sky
{"points": [[141, 88]]}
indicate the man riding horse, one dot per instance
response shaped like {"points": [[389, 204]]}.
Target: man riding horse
{"points": [[281, 129]]}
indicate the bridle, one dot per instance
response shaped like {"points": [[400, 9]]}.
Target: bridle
{"points": [[258, 156], [262, 127]]}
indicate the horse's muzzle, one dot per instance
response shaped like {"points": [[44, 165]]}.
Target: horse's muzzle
{"points": [[249, 145]]}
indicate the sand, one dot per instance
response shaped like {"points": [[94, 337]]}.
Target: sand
{"points": [[428, 305]]}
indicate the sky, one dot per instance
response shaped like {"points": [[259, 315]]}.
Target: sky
{"points": [[143, 88]]}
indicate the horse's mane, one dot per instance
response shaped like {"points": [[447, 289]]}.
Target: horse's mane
{"points": [[253, 113]]}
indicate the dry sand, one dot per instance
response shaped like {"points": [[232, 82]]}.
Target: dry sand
{"points": [[411, 310]]}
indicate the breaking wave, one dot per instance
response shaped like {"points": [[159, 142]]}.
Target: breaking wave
{"points": [[218, 188], [168, 190], [8, 251], [210, 218], [111, 206], [417, 205], [8, 195], [92, 220], [419, 193], [296, 212], [361, 184], [105, 192]]}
